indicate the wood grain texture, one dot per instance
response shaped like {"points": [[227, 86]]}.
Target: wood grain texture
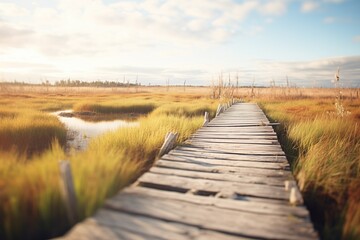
{"points": [[227, 181]]}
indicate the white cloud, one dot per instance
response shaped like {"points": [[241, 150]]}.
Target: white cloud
{"points": [[274, 7], [12, 10], [269, 20], [309, 6], [307, 73], [255, 30], [357, 39], [329, 20], [95, 27], [44, 16], [12, 36], [333, 1], [81, 38]]}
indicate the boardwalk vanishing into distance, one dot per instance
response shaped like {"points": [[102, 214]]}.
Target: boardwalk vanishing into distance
{"points": [[225, 182]]}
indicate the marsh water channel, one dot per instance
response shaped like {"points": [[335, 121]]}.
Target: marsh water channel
{"points": [[81, 127]]}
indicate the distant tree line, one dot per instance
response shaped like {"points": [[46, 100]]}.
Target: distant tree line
{"points": [[74, 83], [98, 83]]}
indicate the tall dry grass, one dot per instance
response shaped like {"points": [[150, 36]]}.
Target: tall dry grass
{"points": [[29, 131], [116, 107], [326, 160], [32, 206]]}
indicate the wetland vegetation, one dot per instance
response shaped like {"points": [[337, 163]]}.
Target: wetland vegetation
{"points": [[322, 146], [32, 206]]}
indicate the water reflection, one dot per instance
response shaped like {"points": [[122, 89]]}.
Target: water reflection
{"points": [[80, 132]]}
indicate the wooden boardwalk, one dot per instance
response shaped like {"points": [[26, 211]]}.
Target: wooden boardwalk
{"points": [[225, 182]]}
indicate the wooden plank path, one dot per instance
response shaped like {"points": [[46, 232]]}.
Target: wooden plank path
{"points": [[225, 182]]}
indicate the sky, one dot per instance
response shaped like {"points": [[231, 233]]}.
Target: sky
{"points": [[181, 41]]}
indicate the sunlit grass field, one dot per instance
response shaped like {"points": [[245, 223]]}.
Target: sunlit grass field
{"points": [[323, 149], [31, 201]]}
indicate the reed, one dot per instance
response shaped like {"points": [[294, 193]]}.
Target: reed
{"points": [[185, 109], [118, 107], [326, 160], [32, 206], [29, 131]]}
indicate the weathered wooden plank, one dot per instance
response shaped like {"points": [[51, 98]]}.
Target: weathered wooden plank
{"points": [[250, 148], [227, 163], [266, 207], [242, 120], [107, 224], [191, 166], [236, 129], [228, 188], [91, 229], [229, 136], [247, 146], [219, 176], [234, 141], [228, 156], [213, 218], [240, 125], [233, 133], [226, 182], [232, 151]]}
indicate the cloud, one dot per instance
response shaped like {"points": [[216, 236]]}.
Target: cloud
{"points": [[357, 39], [147, 75], [11, 36], [28, 67], [90, 39], [329, 20], [274, 7], [307, 73], [309, 6], [12, 10], [333, 1], [255, 30], [94, 26]]}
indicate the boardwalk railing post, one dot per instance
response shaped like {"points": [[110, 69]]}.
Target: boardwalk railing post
{"points": [[68, 190], [219, 109], [295, 197], [206, 119], [169, 143]]}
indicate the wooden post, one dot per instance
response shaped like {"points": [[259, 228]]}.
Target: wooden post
{"points": [[68, 190], [206, 119], [295, 196], [289, 184], [219, 109], [169, 143]]}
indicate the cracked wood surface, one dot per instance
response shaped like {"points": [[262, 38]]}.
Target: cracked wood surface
{"points": [[225, 182]]}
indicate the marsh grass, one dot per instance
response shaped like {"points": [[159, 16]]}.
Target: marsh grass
{"points": [[326, 160], [29, 131], [116, 107], [185, 109], [32, 206]]}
